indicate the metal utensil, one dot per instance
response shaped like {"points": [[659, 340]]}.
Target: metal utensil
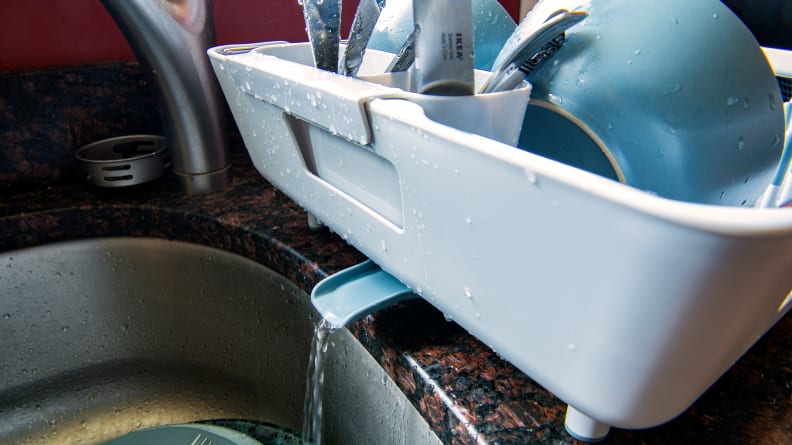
{"points": [[444, 47], [492, 26], [404, 59], [362, 26], [323, 24], [529, 47]]}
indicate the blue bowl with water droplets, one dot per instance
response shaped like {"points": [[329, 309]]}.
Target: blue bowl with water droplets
{"points": [[673, 97]]}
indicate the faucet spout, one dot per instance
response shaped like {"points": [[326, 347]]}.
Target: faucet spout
{"points": [[170, 39], [355, 292]]}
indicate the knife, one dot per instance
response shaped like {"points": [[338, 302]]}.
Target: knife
{"points": [[323, 22], [366, 17], [444, 57], [404, 59]]}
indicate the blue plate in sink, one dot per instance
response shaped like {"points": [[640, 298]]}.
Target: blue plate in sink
{"points": [[212, 432]]}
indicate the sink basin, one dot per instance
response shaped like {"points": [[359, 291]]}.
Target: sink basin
{"points": [[102, 337]]}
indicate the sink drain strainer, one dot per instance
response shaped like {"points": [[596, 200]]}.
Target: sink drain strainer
{"points": [[125, 160]]}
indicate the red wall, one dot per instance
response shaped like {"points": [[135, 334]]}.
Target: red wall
{"points": [[51, 33]]}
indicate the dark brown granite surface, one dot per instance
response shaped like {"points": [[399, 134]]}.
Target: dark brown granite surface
{"points": [[46, 115], [457, 383], [467, 393]]}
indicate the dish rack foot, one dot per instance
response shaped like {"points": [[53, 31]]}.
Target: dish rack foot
{"points": [[313, 222], [583, 427]]}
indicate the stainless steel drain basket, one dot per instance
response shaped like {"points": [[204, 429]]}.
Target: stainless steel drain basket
{"points": [[125, 160]]}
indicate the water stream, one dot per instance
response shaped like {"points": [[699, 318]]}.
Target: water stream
{"points": [[314, 385]]}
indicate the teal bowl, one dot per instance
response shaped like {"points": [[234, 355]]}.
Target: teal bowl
{"points": [[673, 97]]}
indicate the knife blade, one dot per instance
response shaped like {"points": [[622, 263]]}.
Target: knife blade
{"points": [[366, 17], [444, 56], [323, 23], [405, 58]]}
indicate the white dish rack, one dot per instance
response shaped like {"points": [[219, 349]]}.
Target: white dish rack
{"points": [[626, 305]]}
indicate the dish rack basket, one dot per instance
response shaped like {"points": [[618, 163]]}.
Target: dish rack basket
{"points": [[625, 305]]}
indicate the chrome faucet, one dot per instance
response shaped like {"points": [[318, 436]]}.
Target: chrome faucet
{"points": [[170, 38]]}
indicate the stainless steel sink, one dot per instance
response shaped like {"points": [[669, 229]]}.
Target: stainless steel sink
{"points": [[102, 337]]}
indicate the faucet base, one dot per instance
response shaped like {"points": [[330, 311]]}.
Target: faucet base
{"points": [[197, 184], [169, 38]]}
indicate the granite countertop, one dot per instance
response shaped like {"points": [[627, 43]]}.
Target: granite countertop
{"points": [[466, 392], [459, 385]]}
